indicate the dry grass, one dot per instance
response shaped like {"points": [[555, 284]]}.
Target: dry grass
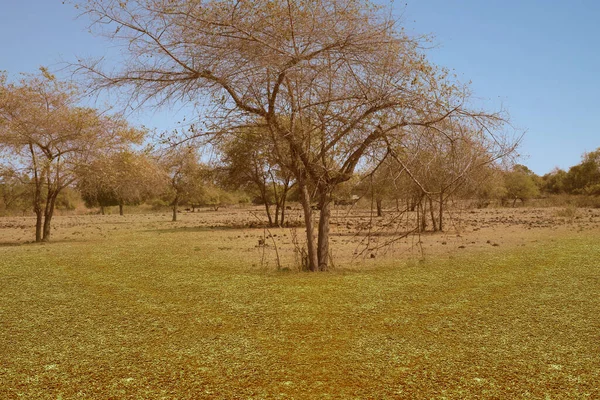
{"points": [[183, 311]]}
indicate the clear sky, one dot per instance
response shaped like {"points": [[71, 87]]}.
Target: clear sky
{"points": [[539, 59]]}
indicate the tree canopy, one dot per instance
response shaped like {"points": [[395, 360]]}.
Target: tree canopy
{"points": [[120, 178]]}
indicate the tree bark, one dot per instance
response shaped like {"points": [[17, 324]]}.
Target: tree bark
{"points": [[48, 213], [268, 209], [312, 262], [441, 214], [283, 200], [379, 207], [412, 205], [37, 195], [418, 209], [175, 204], [277, 199], [39, 218], [423, 213], [121, 209], [277, 210], [431, 210], [39, 212], [323, 243]]}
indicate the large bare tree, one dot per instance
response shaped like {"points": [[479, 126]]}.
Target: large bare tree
{"points": [[330, 80]]}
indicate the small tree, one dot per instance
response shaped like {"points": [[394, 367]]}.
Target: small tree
{"points": [[50, 136], [185, 175], [487, 185], [250, 164], [213, 196], [520, 183], [347, 193], [119, 179], [555, 182], [15, 191], [445, 165], [584, 178], [380, 184]]}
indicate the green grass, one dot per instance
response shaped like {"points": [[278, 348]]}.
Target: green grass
{"points": [[170, 315]]}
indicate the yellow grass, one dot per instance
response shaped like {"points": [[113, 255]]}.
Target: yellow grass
{"points": [[151, 310]]}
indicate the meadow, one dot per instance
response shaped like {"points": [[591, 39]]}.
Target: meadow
{"points": [[504, 305]]}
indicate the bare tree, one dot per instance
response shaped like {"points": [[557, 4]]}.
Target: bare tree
{"points": [[185, 175], [329, 79], [444, 164]]}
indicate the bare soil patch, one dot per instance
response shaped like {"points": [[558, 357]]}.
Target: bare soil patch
{"points": [[357, 236]]}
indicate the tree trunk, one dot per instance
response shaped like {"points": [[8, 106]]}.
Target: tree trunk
{"points": [[277, 209], [121, 209], [283, 210], [423, 213], [101, 209], [47, 221], [268, 209], [48, 213], [39, 212], [39, 218], [312, 262], [175, 204], [433, 222], [418, 209], [441, 213], [283, 198], [37, 195], [323, 249], [277, 200], [379, 207], [412, 205]]}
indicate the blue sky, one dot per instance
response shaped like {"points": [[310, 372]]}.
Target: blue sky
{"points": [[538, 59]]}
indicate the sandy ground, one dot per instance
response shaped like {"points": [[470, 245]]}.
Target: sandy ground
{"points": [[356, 236]]}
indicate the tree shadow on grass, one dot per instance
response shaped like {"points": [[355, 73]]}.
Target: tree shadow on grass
{"points": [[34, 243], [199, 229], [13, 244], [230, 227]]}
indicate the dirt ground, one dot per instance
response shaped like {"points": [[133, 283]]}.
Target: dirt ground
{"points": [[356, 236]]}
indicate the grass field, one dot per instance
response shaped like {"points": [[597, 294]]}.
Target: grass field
{"points": [[189, 314]]}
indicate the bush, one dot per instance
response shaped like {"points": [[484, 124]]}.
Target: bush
{"points": [[68, 199], [568, 213], [566, 200]]}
